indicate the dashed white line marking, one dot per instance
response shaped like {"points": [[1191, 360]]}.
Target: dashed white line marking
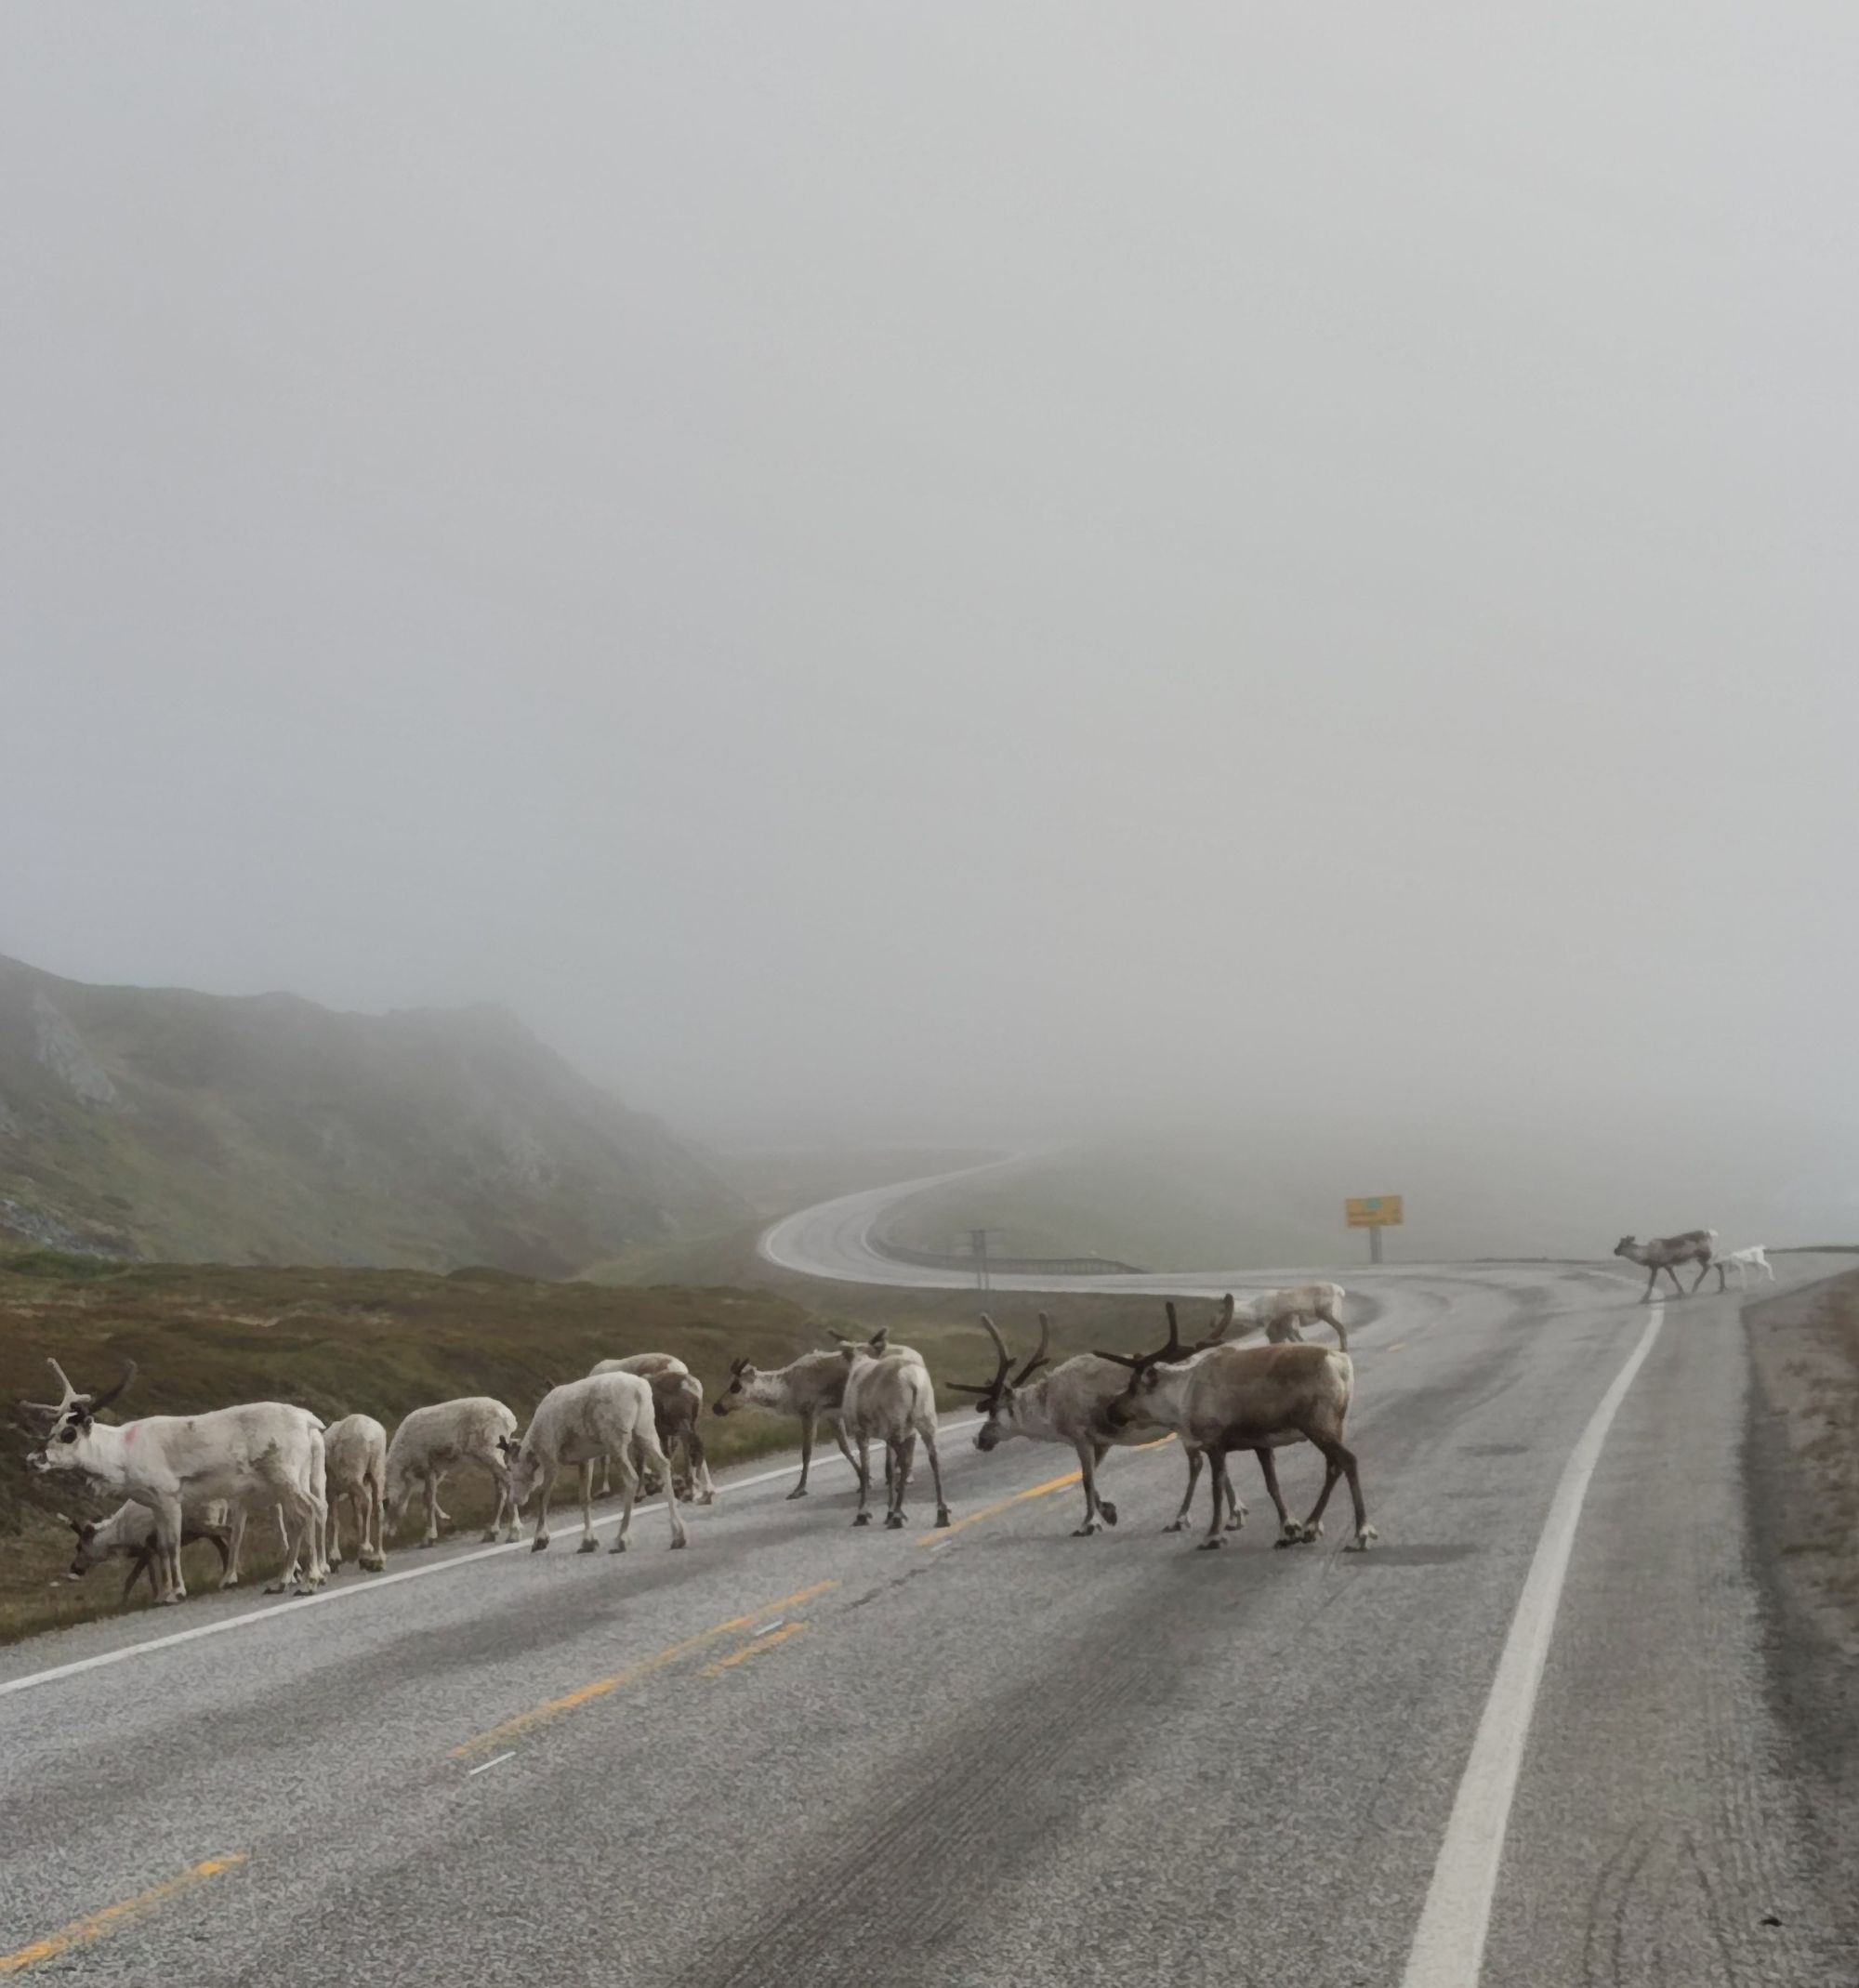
{"points": [[1449, 1949], [484, 1767]]}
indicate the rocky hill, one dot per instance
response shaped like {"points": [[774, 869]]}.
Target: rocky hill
{"points": [[161, 1123]]}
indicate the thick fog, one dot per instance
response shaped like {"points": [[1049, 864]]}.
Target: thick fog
{"points": [[969, 571]]}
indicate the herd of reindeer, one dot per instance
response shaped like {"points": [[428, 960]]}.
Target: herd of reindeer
{"points": [[202, 1477]]}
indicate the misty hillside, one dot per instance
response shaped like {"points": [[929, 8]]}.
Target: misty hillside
{"points": [[161, 1123]]}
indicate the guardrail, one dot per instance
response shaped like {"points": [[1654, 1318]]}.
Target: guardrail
{"points": [[936, 1260]]}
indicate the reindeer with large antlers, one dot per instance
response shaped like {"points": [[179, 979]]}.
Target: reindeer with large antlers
{"points": [[260, 1454], [1070, 1406], [1257, 1398]]}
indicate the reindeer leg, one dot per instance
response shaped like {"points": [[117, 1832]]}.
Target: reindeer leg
{"points": [[1336, 1326], [1088, 1471], [588, 1543], [1237, 1514], [545, 1490], [630, 1483], [432, 1538], [1217, 1485], [1651, 1277], [1702, 1275], [936, 1471], [1178, 1523], [1288, 1530], [862, 1466], [903, 1454], [807, 1421]]}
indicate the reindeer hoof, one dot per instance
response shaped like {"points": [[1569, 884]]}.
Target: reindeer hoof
{"points": [[862, 1519], [433, 1542], [539, 1544], [1107, 1512], [168, 1601], [1209, 1546], [589, 1545], [1362, 1540], [619, 1545], [943, 1516], [271, 1587], [893, 1521], [1176, 1525], [799, 1490], [679, 1543], [373, 1564], [1085, 1530], [489, 1537]]}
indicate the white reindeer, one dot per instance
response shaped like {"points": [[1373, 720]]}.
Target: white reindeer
{"points": [[1282, 1315], [1662, 1252], [1258, 1398], [646, 1365], [434, 1439], [606, 1415], [1743, 1261], [812, 1387], [262, 1452], [890, 1399], [355, 1454]]}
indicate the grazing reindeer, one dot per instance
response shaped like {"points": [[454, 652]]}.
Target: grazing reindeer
{"points": [[434, 1439], [1743, 1261], [1070, 1406], [648, 1365], [677, 1416], [1259, 1398], [355, 1455], [129, 1532], [812, 1387], [890, 1399], [1663, 1251], [606, 1415]]}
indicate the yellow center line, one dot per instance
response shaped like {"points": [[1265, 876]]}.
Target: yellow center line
{"points": [[769, 1642], [587, 1693], [99, 1925], [1020, 1498]]}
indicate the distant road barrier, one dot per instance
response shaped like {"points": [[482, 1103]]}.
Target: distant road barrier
{"points": [[935, 1260]]}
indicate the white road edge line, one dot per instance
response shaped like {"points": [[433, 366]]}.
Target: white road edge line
{"points": [[484, 1767], [1449, 1949], [380, 1583]]}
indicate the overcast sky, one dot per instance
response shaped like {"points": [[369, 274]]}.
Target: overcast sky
{"points": [[941, 568]]}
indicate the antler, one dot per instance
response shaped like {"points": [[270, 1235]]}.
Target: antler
{"points": [[1136, 1363], [1006, 1358], [1221, 1323], [70, 1393], [110, 1394], [1038, 1359]]}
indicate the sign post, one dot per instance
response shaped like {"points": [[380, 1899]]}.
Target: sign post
{"points": [[1375, 1213]]}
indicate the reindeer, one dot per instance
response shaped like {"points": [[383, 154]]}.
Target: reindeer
{"points": [[1069, 1406], [888, 1396], [260, 1452], [1743, 1261], [1259, 1398], [677, 1419], [1282, 1314], [1663, 1251], [129, 1533], [812, 1387], [604, 1415], [430, 1440], [647, 1365], [355, 1453]]}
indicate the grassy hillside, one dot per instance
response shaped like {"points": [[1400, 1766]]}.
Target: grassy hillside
{"points": [[385, 1341], [165, 1123]]}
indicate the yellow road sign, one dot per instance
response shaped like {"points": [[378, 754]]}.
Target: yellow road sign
{"points": [[1377, 1211]]}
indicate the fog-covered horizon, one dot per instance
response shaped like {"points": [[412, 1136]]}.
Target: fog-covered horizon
{"points": [[961, 574]]}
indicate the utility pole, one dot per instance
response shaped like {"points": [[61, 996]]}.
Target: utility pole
{"points": [[978, 1248]]}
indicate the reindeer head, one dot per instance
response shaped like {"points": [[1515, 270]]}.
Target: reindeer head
{"points": [[1125, 1410], [876, 1348], [1626, 1247], [736, 1395], [66, 1446], [522, 1466], [995, 1398], [88, 1554]]}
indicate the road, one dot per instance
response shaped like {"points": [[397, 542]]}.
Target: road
{"points": [[799, 1751]]}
